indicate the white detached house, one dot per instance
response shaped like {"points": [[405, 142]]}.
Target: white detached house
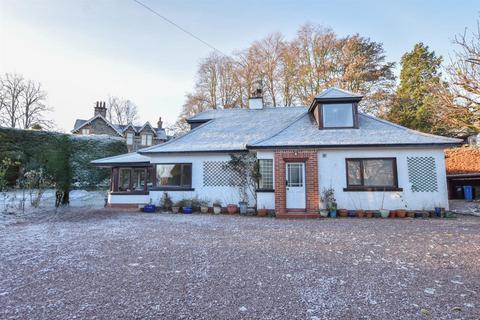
{"points": [[301, 151]]}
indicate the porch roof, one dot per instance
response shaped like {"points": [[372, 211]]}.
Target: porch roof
{"points": [[130, 159]]}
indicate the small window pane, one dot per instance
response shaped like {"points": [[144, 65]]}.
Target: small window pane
{"points": [[378, 172], [124, 180], [138, 180], [353, 171], [129, 138], [187, 175], [295, 175], [337, 115], [266, 174]]}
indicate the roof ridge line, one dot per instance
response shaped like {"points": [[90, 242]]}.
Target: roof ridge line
{"points": [[175, 139], [279, 131]]}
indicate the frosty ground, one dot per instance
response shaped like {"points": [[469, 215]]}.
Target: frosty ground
{"points": [[89, 263]]}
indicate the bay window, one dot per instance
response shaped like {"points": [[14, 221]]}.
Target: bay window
{"points": [[371, 174]]}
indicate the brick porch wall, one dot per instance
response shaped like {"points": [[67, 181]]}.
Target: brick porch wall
{"points": [[309, 157]]}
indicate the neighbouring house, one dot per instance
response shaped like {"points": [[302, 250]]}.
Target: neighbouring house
{"points": [[136, 137], [463, 169], [301, 151]]}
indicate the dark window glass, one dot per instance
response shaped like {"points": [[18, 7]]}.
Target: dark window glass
{"points": [[174, 175], [138, 180], [371, 172], [265, 167], [124, 180]]}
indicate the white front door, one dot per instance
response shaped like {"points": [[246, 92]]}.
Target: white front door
{"points": [[295, 177]]}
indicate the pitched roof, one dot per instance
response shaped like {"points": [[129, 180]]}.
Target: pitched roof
{"points": [[372, 131], [119, 128], [122, 159], [239, 129], [336, 93]]}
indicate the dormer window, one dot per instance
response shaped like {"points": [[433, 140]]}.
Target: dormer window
{"points": [[146, 139], [336, 109], [338, 115], [129, 138]]}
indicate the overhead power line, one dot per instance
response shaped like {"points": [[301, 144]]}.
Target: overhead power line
{"points": [[178, 27]]}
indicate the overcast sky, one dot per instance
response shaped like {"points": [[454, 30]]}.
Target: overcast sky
{"points": [[85, 50]]}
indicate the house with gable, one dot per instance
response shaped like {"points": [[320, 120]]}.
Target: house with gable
{"points": [[136, 137], [301, 151]]}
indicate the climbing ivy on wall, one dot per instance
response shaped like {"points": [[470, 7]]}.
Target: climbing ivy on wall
{"points": [[66, 158]]}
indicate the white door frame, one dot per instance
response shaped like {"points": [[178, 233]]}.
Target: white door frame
{"points": [[296, 193]]}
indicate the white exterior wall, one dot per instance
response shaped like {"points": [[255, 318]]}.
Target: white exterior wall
{"points": [[266, 199], [225, 194], [332, 173], [128, 199]]}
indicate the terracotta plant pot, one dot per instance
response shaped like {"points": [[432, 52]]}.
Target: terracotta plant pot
{"points": [[360, 213], [401, 213], [262, 212], [342, 213], [217, 210], [369, 214], [232, 208], [392, 214]]}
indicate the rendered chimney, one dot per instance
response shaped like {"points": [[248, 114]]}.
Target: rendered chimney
{"points": [[256, 99], [159, 123], [100, 108]]}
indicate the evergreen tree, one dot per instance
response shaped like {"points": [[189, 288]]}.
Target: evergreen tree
{"points": [[414, 104]]}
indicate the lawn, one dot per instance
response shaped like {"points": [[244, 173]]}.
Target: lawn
{"points": [[108, 264]]}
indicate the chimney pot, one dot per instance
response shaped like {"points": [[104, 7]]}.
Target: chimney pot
{"points": [[159, 123]]}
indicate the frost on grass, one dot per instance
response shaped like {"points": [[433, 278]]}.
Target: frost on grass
{"points": [[106, 264]]}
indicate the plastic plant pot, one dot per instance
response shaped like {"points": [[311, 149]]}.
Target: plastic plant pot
{"points": [[384, 213], [150, 208], [333, 213], [187, 210]]}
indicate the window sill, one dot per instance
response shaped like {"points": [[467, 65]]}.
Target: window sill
{"points": [[265, 190], [129, 193], [172, 189], [363, 189]]}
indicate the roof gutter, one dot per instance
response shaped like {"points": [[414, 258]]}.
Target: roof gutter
{"points": [[340, 146]]}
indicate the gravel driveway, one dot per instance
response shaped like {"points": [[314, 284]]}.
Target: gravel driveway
{"points": [[114, 265]]}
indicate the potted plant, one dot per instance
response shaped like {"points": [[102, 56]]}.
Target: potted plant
{"points": [[328, 200], [187, 207], [332, 209], [402, 213], [262, 212], [383, 212], [411, 214], [342, 213], [203, 206], [232, 208], [166, 202], [369, 213], [360, 213], [149, 207], [243, 205], [217, 207], [176, 206]]}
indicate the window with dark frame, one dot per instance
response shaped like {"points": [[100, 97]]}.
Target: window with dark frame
{"points": [[265, 167], [338, 115], [372, 174], [174, 175], [133, 179]]}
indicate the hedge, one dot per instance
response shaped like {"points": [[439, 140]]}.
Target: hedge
{"points": [[65, 157]]}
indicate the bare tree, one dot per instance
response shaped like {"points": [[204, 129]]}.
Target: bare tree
{"points": [[22, 103], [465, 69], [33, 106], [11, 87], [121, 111]]}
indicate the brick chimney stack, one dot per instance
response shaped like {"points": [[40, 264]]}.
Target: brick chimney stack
{"points": [[159, 123], [100, 108]]}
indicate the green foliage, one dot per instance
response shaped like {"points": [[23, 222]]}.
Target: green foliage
{"points": [[65, 158], [414, 105]]}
